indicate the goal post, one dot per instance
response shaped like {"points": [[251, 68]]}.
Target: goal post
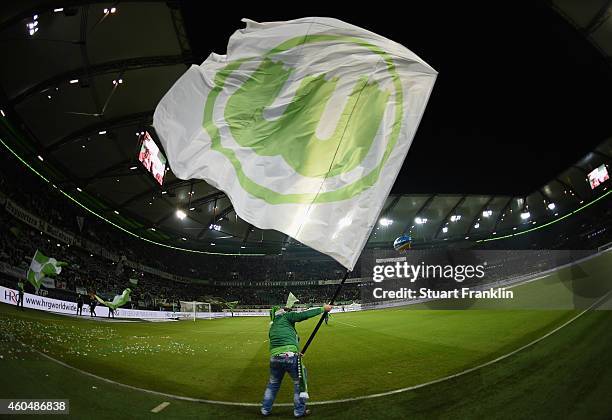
{"points": [[196, 310]]}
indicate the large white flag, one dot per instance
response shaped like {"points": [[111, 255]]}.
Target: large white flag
{"points": [[303, 124]]}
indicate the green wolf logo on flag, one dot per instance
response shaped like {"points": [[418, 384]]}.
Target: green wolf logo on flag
{"points": [[303, 124]]}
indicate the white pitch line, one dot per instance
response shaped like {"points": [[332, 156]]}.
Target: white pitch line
{"points": [[343, 400], [345, 323], [160, 407]]}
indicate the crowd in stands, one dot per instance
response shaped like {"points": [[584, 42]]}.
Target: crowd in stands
{"points": [[106, 277]]}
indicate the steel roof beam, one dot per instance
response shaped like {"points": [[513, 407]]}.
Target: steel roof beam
{"points": [[156, 189], [215, 219], [459, 202], [598, 19], [117, 66], [48, 6], [569, 188], [477, 216], [602, 154], [502, 214], [421, 209], [143, 118]]}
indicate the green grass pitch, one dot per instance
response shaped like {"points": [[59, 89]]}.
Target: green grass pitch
{"points": [[358, 354]]}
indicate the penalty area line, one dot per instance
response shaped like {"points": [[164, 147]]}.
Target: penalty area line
{"points": [[338, 401]]}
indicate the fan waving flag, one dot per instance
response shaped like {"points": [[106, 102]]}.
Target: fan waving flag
{"points": [[304, 125], [41, 267], [118, 300]]}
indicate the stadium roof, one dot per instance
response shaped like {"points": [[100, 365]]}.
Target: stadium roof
{"points": [[78, 91]]}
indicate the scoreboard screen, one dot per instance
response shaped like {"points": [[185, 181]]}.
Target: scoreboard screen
{"points": [[598, 176], [152, 158]]}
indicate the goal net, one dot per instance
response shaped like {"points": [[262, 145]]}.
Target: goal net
{"points": [[196, 310]]}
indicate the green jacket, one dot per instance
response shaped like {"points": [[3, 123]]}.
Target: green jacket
{"points": [[283, 336]]}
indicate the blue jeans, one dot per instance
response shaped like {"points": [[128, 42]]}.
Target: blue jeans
{"points": [[278, 366]]}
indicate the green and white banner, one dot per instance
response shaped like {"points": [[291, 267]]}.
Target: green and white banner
{"points": [[118, 300], [41, 267], [304, 124]]}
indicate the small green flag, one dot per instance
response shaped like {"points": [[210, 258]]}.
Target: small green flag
{"points": [[42, 266], [291, 299], [232, 305], [118, 300]]}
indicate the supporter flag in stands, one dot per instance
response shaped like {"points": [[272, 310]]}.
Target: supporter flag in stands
{"points": [[41, 267], [303, 124], [80, 222]]}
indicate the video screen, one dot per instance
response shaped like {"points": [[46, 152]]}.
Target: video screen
{"points": [[152, 158], [598, 176]]}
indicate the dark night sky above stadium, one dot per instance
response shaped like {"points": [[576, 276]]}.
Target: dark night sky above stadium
{"points": [[520, 95]]}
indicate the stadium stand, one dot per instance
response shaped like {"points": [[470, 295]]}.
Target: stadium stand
{"points": [[104, 259]]}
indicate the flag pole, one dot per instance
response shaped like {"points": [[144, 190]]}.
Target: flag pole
{"points": [[331, 302]]}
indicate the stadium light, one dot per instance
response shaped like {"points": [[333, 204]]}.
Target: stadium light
{"points": [[181, 214], [444, 229], [102, 132], [184, 239], [133, 168], [73, 81], [191, 208], [212, 244], [116, 212], [2, 113], [455, 218], [59, 9], [384, 222], [33, 26], [551, 206], [420, 220], [79, 189], [40, 158], [487, 213], [525, 215], [477, 225], [242, 247], [215, 227]]}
